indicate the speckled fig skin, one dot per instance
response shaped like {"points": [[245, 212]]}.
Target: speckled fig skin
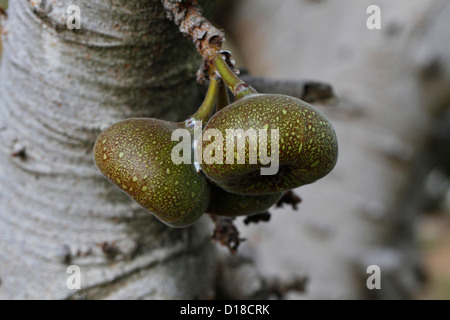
{"points": [[228, 204], [135, 154], [308, 148]]}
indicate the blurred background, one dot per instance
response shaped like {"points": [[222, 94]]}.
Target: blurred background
{"points": [[387, 202]]}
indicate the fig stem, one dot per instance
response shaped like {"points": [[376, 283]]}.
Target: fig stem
{"points": [[206, 109], [239, 88], [223, 99]]}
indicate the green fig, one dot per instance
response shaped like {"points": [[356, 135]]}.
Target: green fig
{"points": [[302, 150], [228, 204], [136, 155]]}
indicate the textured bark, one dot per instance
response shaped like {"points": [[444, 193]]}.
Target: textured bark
{"points": [[58, 89]]}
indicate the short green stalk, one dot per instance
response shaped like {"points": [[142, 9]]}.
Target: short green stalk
{"points": [[223, 99], [206, 109], [239, 88]]}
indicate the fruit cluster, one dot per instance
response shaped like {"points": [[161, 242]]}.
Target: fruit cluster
{"points": [[138, 154]]}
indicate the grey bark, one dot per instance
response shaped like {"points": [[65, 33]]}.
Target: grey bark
{"points": [[58, 89]]}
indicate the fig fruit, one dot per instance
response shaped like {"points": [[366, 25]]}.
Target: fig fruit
{"points": [[228, 204], [291, 135], [136, 155]]}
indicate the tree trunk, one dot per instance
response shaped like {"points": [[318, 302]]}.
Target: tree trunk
{"points": [[58, 89]]}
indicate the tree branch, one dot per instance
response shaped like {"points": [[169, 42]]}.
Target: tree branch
{"points": [[188, 17], [309, 91]]}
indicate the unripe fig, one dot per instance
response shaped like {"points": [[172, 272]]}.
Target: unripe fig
{"points": [[307, 144], [135, 154], [228, 204], [224, 203]]}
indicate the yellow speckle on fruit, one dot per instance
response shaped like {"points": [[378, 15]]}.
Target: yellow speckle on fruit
{"points": [[104, 141], [315, 163], [121, 155], [104, 156], [144, 188], [135, 179], [168, 171]]}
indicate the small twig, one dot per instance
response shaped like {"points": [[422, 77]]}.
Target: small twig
{"points": [[258, 217], [20, 153], [110, 249], [317, 92], [226, 233], [289, 198], [187, 15], [309, 91]]}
